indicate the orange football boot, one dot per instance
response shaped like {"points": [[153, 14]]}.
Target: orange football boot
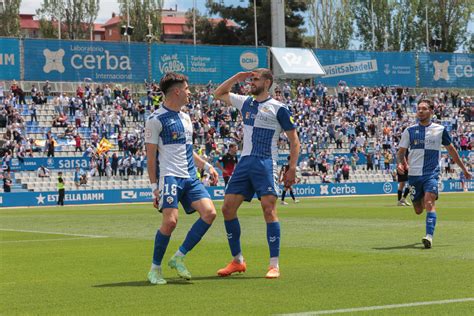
{"points": [[232, 267]]}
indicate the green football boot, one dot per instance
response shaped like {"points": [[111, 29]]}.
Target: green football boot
{"points": [[177, 263], [155, 276]]}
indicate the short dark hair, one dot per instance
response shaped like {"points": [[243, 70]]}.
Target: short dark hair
{"points": [[265, 73], [170, 79], [427, 101]]}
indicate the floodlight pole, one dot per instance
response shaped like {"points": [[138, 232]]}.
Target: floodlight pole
{"points": [[194, 22], [255, 21]]}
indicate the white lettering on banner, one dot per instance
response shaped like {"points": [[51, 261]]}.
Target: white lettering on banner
{"points": [[306, 191], [7, 59], [199, 64], [146, 194], [463, 71], [70, 163], [1, 199], [457, 185], [397, 70], [76, 197], [171, 63], [249, 60], [346, 69], [112, 62], [129, 195]]}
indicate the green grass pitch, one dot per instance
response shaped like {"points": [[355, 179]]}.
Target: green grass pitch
{"points": [[336, 253]]}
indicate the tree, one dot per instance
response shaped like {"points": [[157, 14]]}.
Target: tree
{"points": [[209, 32], [332, 22], [142, 11], [401, 24], [75, 16], [244, 17], [447, 21], [9, 18]]}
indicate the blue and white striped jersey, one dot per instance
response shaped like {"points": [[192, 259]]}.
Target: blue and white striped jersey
{"points": [[263, 123], [173, 133], [424, 145]]}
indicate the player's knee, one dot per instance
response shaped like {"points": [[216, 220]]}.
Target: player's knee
{"points": [[209, 216], [169, 224]]}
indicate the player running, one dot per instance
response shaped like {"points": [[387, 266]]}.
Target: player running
{"points": [[424, 141], [168, 136], [264, 118]]}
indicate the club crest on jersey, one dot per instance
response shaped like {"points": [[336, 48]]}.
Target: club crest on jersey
{"points": [[247, 115], [174, 135], [170, 199]]}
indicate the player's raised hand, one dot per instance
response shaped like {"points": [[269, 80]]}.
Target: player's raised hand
{"points": [[290, 177], [243, 75]]}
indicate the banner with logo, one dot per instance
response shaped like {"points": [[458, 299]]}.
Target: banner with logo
{"points": [[59, 163], [205, 63], [446, 70], [362, 68], [9, 59], [55, 60], [217, 193]]}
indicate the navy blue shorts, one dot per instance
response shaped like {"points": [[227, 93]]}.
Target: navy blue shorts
{"points": [[183, 190], [419, 185], [254, 175]]}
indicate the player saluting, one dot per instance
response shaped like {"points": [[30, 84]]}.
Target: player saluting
{"points": [[424, 141], [168, 135], [264, 119]]}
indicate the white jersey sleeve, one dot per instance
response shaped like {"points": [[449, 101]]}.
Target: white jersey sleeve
{"points": [[153, 129], [405, 140], [237, 100]]}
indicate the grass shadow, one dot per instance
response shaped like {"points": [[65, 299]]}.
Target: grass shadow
{"points": [[175, 281], [417, 245]]}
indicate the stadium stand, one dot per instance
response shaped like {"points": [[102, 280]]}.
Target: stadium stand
{"points": [[347, 134]]}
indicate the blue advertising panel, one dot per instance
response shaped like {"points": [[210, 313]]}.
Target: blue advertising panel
{"points": [[78, 60], [61, 163], [217, 193], [446, 70], [205, 63], [359, 68], [9, 59]]}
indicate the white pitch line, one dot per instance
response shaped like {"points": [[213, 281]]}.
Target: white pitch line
{"points": [[51, 233], [372, 308], [37, 240]]}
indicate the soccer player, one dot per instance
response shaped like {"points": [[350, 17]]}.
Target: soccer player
{"points": [[264, 119], [228, 162], [424, 141], [168, 135], [283, 170], [403, 187]]}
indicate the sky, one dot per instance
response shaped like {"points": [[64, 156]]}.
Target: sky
{"points": [[109, 6]]}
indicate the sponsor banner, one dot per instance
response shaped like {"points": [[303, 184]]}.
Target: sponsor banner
{"points": [[79, 60], [217, 193], [205, 63], [446, 70], [358, 68], [64, 163], [9, 59]]}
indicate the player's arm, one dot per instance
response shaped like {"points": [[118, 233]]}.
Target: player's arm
{"points": [[223, 91], [454, 154], [201, 164], [290, 175], [152, 131], [402, 164]]}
